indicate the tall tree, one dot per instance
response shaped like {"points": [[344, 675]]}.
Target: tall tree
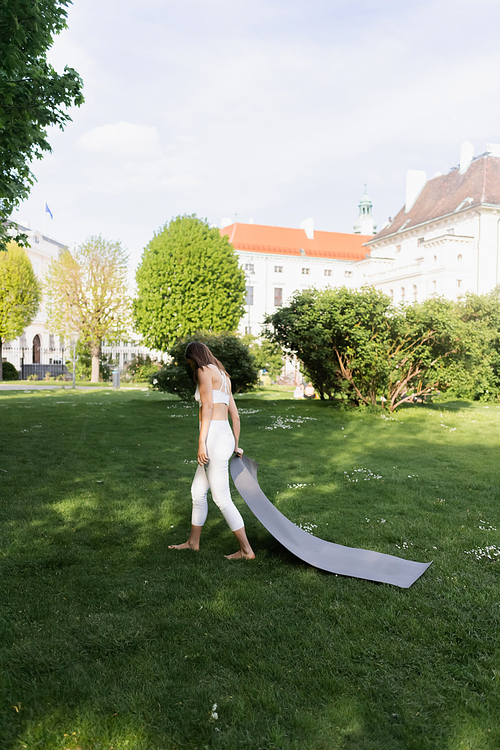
{"points": [[20, 294], [188, 280], [87, 294], [33, 96]]}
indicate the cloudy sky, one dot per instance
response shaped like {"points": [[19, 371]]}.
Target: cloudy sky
{"points": [[276, 110]]}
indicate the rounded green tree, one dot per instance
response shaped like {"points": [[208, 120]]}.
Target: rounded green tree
{"points": [[188, 280], [20, 294]]}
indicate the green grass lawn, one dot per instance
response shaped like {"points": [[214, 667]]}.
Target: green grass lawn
{"points": [[108, 640]]}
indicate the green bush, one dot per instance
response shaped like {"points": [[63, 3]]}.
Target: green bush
{"points": [[176, 377], [9, 371], [140, 369]]}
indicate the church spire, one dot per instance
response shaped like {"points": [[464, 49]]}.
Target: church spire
{"points": [[365, 223]]}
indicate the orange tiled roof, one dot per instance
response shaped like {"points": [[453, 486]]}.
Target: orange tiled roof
{"points": [[259, 238], [451, 192]]}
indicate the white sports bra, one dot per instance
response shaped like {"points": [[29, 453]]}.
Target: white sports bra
{"points": [[220, 395]]}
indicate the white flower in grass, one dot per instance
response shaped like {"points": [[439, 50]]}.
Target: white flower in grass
{"points": [[214, 715], [366, 474]]}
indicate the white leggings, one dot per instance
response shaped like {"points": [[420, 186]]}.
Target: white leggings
{"points": [[214, 475]]}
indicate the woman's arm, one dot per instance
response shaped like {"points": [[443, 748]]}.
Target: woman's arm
{"points": [[235, 419], [207, 408]]}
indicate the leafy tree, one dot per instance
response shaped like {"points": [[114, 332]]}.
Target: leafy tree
{"points": [[87, 294], [353, 344], [188, 280], [20, 294], [476, 375], [141, 368], [341, 338], [177, 376], [425, 337], [83, 365], [268, 357], [32, 95]]}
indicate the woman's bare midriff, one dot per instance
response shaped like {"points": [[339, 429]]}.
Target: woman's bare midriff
{"points": [[220, 413]]}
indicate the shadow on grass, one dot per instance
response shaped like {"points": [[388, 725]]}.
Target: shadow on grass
{"points": [[108, 638]]}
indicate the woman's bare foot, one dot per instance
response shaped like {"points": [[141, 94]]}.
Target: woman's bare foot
{"points": [[240, 555], [193, 542], [186, 545]]}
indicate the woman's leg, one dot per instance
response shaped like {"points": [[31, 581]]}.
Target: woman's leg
{"points": [[199, 489], [220, 447]]}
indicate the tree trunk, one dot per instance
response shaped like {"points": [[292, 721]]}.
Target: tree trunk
{"points": [[95, 350], [1, 359]]}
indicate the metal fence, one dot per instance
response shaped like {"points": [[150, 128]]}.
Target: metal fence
{"points": [[51, 362]]}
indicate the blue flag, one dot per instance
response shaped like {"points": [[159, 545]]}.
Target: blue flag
{"points": [[48, 211]]}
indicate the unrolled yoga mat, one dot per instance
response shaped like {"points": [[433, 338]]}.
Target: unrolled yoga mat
{"points": [[335, 558]]}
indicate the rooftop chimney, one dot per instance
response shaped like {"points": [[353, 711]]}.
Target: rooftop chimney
{"points": [[308, 226], [493, 149], [415, 181], [466, 156]]}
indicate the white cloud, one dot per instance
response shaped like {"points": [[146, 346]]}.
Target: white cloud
{"points": [[122, 140]]}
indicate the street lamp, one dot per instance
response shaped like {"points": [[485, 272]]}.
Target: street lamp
{"points": [[73, 337]]}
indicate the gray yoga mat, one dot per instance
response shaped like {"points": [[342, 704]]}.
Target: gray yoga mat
{"points": [[334, 558]]}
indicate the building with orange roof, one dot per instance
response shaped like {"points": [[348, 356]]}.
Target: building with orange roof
{"points": [[279, 261]]}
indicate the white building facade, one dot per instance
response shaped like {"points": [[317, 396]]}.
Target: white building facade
{"points": [[445, 241], [280, 261], [37, 346]]}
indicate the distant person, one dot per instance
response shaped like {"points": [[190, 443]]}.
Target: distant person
{"points": [[309, 391], [216, 445], [299, 391]]}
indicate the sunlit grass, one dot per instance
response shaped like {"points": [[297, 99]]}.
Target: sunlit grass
{"points": [[108, 639]]}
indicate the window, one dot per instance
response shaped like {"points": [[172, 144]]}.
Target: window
{"points": [[328, 271], [434, 287], [391, 294], [398, 248], [249, 268], [249, 295], [278, 296], [414, 292], [459, 283], [435, 259], [306, 271], [278, 269], [52, 344], [459, 256], [348, 274], [420, 240], [248, 330], [402, 294]]}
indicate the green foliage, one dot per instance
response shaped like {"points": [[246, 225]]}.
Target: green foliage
{"points": [[340, 336], [354, 345], [176, 377], [33, 96], [425, 338], [83, 367], [20, 294], [87, 293], [476, 375], [141, 369], [9, 372], [188, 280], [268, 356]]}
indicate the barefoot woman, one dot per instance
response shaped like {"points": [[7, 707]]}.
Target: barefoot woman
{"points": [[216, 445]]}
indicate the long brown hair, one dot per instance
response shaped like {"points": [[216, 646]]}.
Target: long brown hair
{"points": [[201, 355]]}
